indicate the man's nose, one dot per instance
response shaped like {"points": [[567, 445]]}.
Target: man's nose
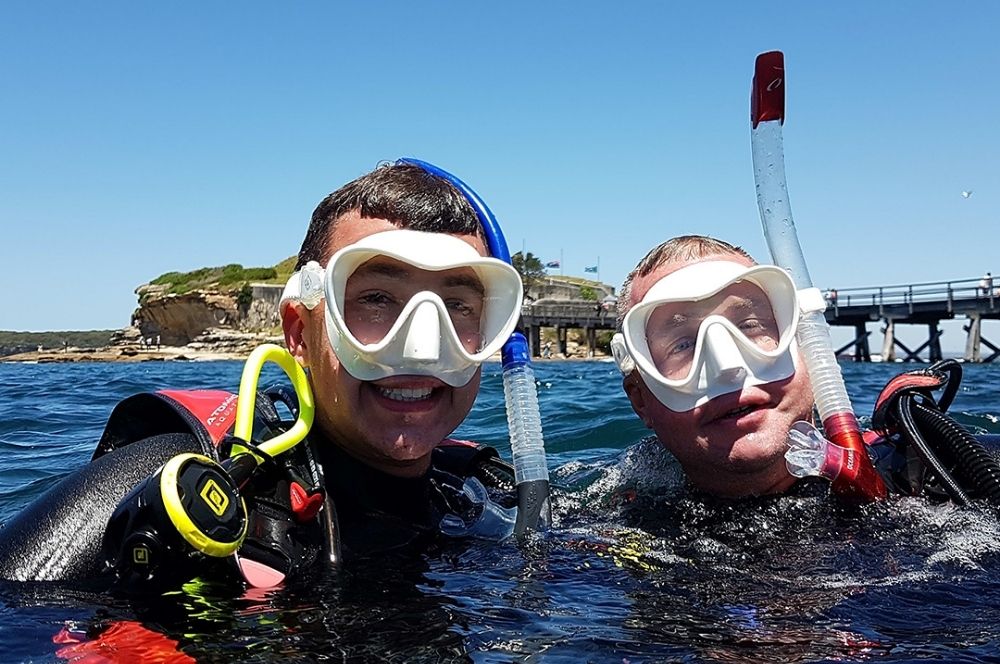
{"points": [[723, 358], [423, 334]]}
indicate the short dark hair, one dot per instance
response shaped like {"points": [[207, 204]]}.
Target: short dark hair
{"points": [[403, 194], [680, 248]]}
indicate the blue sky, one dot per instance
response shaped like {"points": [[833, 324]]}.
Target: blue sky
{"points": [[139, 138]]}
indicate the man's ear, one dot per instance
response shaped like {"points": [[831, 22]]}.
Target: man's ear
{"points": [[639, 396], [293, 324]]}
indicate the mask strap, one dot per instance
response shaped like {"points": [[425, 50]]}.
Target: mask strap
{"points": [[810, 300], [304, 286]]}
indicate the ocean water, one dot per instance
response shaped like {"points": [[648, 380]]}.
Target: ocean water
{"points": [[663, 576]]}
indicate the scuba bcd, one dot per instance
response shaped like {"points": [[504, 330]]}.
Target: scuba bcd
{"points": [[935, 456], [194, 506]]}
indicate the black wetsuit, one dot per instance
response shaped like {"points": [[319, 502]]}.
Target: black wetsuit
{"points": [[58, 536], [378, 512]]}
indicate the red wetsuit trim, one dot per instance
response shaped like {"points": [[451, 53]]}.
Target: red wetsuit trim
{"points": [[215, 409], [457, 442]]}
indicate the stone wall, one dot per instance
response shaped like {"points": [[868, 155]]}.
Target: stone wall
{"points": [[556, 289], [263, 312]]}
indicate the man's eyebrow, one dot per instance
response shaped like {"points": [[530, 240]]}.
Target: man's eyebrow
{"points": [[464, 281], [381, 269], [746, 303], [739, 305], [400, 272]]}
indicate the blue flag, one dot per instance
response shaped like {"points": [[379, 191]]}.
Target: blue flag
{"points": [[552, 264], [592, 268]]}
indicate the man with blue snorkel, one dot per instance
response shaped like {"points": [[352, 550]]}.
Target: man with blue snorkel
{"points": [[393, 332], [395, 304]]}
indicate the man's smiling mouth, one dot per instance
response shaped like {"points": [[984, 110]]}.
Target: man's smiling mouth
{"points": [[406, 393]]}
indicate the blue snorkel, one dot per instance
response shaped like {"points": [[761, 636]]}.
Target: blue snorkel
{"points": [[523, 419]]}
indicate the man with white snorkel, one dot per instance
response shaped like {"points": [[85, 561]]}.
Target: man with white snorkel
{"points": [[706, 349]]}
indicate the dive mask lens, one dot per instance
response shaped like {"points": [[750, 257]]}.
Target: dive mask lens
{"points": [[380, 292], [674, 330]]}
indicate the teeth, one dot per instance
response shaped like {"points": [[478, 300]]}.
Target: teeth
{"points": [[406, 393]]}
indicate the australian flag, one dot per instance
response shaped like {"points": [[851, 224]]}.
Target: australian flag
{"points": [[592, 268], [552, 264]]}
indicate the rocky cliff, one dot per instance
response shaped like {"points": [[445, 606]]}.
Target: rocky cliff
{"points": [[177, 319], [203, 320]]}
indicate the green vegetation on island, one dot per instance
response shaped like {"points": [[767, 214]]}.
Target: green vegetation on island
{"points": [[530, 268], [12, 343], [228, 277]]}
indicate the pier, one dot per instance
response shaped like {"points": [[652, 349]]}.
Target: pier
{"points": [[924, 304], [564, 316]]}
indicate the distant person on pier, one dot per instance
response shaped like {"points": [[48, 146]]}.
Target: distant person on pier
{"points": [[986, 284], [724, 414]]}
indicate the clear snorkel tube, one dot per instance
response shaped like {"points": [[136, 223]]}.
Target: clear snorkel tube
{"points": [[526, 444], [856, 476]]}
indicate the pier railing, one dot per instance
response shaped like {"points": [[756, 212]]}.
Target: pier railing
{"points": [[926, 303], [910, 294]]}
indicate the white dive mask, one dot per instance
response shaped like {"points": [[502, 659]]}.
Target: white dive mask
{"points": [[701, 332], [422, 339]]}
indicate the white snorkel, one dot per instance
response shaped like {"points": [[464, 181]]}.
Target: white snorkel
{"points": [[855, 476]]}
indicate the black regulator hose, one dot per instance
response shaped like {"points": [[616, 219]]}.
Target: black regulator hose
{"points": [[905, 408], [972, 462], [954, 371]]}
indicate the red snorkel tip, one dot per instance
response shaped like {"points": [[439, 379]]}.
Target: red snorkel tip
{"points": [[858, 480], [767, 98]]}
